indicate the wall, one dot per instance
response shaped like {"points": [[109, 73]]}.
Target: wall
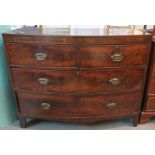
{"points": [[7, 100]]}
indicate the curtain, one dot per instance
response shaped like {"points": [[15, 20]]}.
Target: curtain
{"points": [[8, 113]]}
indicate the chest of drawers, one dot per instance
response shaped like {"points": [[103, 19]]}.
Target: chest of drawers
{"points": [[148, 109], [78, 77]]}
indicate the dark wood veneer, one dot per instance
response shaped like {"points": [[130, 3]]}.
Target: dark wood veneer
{"points": [[83, 40], [66, 55], [100, 56], [78, 106], [57, 56], [77, 81]]}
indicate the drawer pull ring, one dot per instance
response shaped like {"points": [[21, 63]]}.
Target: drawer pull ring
{"points": [[43, 81], [116, 57], [45, 106], [40, 56], [115, 81], [111, 105]]}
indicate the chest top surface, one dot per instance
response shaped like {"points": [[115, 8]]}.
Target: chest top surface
{"points": [[78, 31], [77, 36]]}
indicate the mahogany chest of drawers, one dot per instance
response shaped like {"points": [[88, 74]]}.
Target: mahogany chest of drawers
{"points": [[148, 109], [83, 77]]}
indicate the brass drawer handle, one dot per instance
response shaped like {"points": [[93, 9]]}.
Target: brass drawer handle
{"points": [[116, 57], [43, 81], [40, 56], [45, 106], [115, 81], [111, 105]]}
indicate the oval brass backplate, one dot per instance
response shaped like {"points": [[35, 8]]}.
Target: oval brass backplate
{"points": [[45, 106], [111, 105], [40, 56], [115, 81], [43, 81], [116, 57]]}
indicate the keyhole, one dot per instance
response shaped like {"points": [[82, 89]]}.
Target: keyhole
{"points": [[77, 73], [116, 47]]}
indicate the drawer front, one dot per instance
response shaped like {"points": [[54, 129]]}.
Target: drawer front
{"points": [[150, 106], [80, 82], [114, 56], [152, 87], [153, 72], [41, 55], [68, 105]]}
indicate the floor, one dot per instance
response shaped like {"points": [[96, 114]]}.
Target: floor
{"points": [[123, 124]]}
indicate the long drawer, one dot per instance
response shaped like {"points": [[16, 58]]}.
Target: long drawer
{"points": [[78, 81], [88, 56], [71, 105]]}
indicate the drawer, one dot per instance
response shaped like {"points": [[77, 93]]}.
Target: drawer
{"points": [[78, 81], [114, 56], [42, 55], [153, 71], [150, 106], [69, 105], [152, 87]]}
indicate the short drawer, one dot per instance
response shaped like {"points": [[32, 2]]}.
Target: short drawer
{"points": [[114, 55], [42, 55], [150, 106], [73, 81], [71, 105]]}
